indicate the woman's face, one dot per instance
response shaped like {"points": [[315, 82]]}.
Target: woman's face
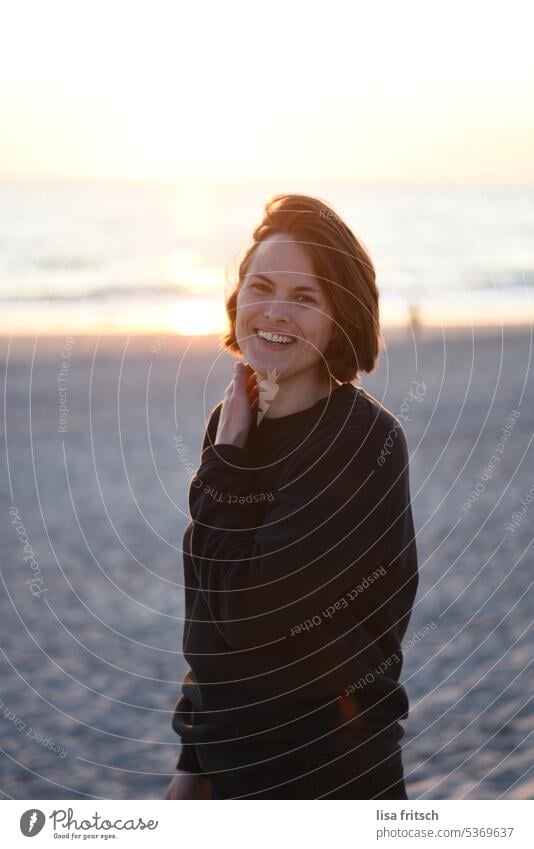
{"points": [[281, 294]]}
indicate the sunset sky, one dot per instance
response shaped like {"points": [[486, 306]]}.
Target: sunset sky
{"points": [[409, 91]]}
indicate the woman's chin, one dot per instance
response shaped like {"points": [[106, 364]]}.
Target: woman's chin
{"points": [[265, 366]]}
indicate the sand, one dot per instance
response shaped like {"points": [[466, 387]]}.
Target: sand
{"points": [[102, 437]]}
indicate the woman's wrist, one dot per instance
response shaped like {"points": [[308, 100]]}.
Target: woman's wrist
{"points": [[221, 439]]}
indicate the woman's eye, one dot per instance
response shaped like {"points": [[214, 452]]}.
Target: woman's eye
{"points": [[263, 287]]}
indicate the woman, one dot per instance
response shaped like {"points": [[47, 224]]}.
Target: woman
{"points": [[300, 560]]}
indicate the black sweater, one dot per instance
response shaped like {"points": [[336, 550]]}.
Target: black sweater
{"points": [[300, 571]]}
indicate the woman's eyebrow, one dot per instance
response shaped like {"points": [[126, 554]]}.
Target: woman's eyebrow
{"points": [[299, 288]]}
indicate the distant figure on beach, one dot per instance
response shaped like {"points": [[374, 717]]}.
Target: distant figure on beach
{"points": [[300, 560], [414, 319]]}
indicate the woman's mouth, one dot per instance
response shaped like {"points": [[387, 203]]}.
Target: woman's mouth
{"points": [[275, 341]]}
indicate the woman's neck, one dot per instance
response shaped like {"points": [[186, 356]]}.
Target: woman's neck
{"points": [[296, 394]]}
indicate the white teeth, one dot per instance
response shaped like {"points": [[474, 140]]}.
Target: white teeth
{"points": [[275, 337]]}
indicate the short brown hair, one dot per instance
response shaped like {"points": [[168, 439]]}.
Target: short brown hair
{"points": [[344, 270]]}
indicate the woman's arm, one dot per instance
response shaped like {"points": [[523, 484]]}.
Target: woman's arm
{"points": [[329, 526], [182, 718], [190, 781]]}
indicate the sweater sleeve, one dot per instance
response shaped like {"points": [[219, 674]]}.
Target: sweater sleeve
{"points": [[182, 715], [183, 712], [324, 530]]}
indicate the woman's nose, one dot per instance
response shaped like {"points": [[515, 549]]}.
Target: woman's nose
{"points": [[276, 308]]}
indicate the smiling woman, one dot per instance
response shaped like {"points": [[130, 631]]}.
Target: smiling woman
{"points": [[269, 709], [307, 277], [307, 247]]}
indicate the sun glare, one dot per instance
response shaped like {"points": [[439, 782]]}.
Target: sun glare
{"points": [[198, 318]]}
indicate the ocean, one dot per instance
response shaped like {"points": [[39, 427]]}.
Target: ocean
{"points": [[96, 256]]}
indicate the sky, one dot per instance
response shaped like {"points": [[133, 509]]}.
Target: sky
{"points": [[393, 92]]}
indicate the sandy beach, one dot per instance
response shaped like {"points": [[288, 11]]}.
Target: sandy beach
{"points": [[101, 438]]}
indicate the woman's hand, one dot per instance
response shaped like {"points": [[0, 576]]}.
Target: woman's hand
{"points": [[189, 785], [239, 407]]}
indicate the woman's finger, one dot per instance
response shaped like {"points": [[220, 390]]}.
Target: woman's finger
{"points": [[253, 393]]}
